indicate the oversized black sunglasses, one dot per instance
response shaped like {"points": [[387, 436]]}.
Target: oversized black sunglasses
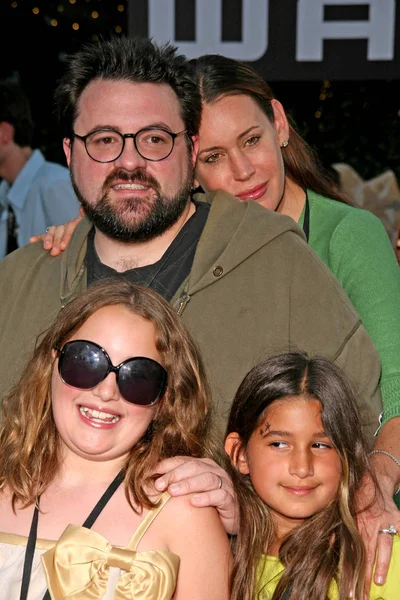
{"points": [[83, 365]]}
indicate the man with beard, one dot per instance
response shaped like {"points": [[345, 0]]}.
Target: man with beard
{"points": [[242, 277]]}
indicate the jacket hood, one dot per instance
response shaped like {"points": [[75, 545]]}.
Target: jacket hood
{"points": [[73, 263], [234, 231]]}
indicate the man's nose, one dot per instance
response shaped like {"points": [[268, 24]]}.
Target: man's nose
{"points": [[130, 158]]}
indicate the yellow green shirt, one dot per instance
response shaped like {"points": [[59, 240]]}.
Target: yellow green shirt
{"points": [[270, 570]]}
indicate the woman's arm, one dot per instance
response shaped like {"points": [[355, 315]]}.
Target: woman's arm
{"points": [[197, 536], [57, 238], [364, 261]]}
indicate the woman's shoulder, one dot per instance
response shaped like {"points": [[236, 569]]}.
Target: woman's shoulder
{"points": [[334, 211], [337, 223]]}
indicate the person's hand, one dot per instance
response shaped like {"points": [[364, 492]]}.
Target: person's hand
{"points": [[202, 477], [57, 238], [380, 515]]}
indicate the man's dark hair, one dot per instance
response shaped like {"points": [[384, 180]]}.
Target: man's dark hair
{"points": [[132, 59], [15, 109]]}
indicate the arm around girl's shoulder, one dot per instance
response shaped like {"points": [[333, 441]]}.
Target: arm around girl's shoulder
{"points": [[198, 537]]}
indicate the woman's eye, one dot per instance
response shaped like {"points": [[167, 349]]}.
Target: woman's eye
{"points": [[213, 158], [253, 140]]}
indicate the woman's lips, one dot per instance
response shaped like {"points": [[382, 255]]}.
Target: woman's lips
{"points": [[254, 193]]}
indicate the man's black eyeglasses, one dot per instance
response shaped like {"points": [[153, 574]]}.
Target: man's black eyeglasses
{"points": [[106, 145]]}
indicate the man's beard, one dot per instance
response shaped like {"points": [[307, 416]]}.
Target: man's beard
{"points": [[160, 216]]}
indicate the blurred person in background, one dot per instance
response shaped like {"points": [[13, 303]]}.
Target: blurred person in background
{"points": [[34, 193]]}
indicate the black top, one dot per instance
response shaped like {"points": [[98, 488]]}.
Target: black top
{"points": [[167, 274]]}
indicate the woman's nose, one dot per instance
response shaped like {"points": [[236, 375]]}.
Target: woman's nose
{"points": [[242, 168]]}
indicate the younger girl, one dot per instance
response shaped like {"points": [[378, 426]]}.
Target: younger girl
{"points": [[298, 456]]}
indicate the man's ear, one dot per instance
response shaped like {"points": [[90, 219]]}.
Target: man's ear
{"points": [[67, 149], [237, 453]]}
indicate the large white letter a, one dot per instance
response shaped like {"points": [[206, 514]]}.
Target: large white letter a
{"points": [[312, 30]]}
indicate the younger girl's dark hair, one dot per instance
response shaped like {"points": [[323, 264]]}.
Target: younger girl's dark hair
{"points": [[218, 76], [327, 543]]}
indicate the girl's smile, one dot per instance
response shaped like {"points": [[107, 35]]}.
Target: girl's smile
{"points": [[292, 463]]}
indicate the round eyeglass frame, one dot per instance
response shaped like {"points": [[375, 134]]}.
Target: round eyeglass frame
{"points": [[124, 136]]}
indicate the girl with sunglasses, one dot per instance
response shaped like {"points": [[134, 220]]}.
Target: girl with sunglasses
{"points": [[114, 386], [298, 456]]}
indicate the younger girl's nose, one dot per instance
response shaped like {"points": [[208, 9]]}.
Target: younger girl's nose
{"points": [[301, 464]]}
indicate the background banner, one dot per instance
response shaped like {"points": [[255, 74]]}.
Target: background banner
{"points": [[283, 39]]}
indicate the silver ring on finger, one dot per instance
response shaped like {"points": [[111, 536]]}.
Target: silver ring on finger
{"points": [[391, 530], [48, 228], [220, 482]]}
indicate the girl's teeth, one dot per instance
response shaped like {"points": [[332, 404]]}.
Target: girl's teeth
{"points": [[98, 416]]}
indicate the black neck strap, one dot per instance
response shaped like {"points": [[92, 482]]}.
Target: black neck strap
{"points": [[31, 544], [306, 223]]}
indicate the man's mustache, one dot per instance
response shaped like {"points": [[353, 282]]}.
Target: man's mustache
{"points": [[137, 176]]}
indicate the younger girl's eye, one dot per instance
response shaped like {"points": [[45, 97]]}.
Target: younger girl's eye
{"points": [[322, 446], [279, 444]]}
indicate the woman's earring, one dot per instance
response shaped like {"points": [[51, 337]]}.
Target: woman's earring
{"points": [[285, 143]]}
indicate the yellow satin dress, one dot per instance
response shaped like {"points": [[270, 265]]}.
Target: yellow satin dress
{"points": [[83, 565]]}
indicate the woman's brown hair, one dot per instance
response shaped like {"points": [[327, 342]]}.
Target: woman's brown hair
{"points": [[218, 76], [29, 440], [327, 545]]}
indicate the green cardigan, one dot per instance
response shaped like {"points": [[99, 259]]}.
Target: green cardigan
{"points": [[353, 243]]}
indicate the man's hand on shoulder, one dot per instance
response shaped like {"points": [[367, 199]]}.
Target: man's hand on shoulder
{"points": [[207, 481]]}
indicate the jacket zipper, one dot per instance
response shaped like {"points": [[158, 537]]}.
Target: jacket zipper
{"points": [[182, 301]]}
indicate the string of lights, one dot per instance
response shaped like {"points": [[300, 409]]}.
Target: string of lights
{"points": [[90, 17]]}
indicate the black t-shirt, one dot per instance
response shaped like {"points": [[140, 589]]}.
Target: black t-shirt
{"points": [[167, 274]]}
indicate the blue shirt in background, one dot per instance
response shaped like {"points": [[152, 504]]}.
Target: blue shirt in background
{"points": [[41, 195]]}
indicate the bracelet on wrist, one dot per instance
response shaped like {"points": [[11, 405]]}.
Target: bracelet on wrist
{"points": [[385, 453]]}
